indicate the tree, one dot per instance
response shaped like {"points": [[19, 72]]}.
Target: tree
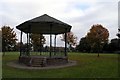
{"points": [[71, 39], [83, 45], [114, 45], [37, 40], [106, 48], [17, 46], [97, 37], [8, 39]]}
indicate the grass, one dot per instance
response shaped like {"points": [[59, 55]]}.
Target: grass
{"points": [[88, 66]]}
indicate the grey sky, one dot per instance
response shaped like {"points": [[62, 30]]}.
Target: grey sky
{"points": [[81, 14]]}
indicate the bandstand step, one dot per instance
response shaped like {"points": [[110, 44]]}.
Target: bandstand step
{"points": [[38, 62]]}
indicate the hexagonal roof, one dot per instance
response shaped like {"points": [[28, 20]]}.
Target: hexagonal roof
{"points": [[44, 25]]}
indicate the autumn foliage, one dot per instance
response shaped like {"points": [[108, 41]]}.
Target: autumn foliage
{"points": [[37, 40], [97, 37], [98, 33], [8, 39], [71, 38]]}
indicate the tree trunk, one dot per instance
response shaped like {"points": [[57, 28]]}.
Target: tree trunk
{"points": [[98, 55], [3, 54]]}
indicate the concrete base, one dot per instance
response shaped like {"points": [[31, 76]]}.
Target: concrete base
{"points": [[42, 61]]}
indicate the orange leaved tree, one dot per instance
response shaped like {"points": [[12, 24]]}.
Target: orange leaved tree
{"points": [[97, 37]]}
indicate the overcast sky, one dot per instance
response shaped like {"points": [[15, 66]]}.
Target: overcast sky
{"points": [[81, 14]]}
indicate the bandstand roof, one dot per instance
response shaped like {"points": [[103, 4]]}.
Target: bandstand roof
{"points": [[44, 24]]}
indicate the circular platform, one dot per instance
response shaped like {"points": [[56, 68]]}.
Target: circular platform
{"points": [[16, 64], [42, 61]]}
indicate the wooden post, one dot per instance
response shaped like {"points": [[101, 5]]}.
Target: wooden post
{"points": [[21, 43], [27, 46], [65, 43], [40, 44], [50, 40], [55, 45], [28, 41]]}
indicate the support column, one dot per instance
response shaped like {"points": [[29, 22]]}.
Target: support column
{"points": [[28, 40], [55, 45], [65, 44], [27, 46], [40, 44], [21, 43], [50, 40]]}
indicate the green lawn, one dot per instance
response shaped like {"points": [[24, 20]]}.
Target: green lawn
{"points": [[88, 66]]}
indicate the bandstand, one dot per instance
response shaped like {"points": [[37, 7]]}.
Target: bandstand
{"points": [[48, 26]]}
